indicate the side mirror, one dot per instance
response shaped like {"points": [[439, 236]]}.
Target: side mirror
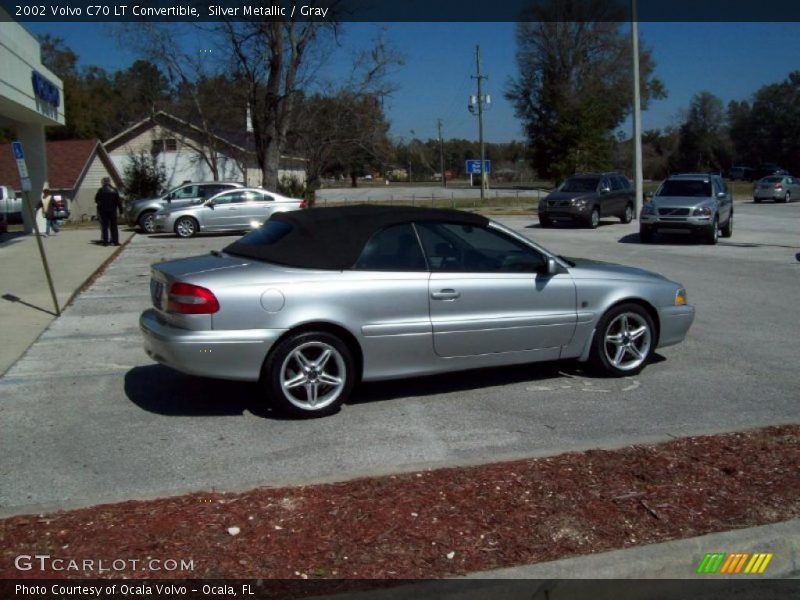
{"points": [[605, 190], [649, 195], [209, 203], [550, 267], [722, 195]]}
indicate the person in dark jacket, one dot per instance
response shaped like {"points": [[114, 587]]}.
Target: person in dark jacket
{"points": [[108, 205]]}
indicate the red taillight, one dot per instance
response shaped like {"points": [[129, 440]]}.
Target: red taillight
{"points": [[189, 299], [304, 204], [778, 186]]}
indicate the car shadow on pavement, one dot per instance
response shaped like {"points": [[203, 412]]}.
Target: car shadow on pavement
{"points": [[164, 391], [475, 379], [569, 225]]}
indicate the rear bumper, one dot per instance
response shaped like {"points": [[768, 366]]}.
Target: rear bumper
{"points": [[236, 355], [769, 194], [675, 322]]}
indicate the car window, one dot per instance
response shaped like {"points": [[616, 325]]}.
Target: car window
{"points": [[616, 183], [190, 191], [685, 187], [580, 184], [395, 248], [260, 197], [772, 179], [471, 249], [234, 197]]}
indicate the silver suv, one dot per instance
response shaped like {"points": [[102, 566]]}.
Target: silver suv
{"points": [[694, 203], [141, 212]]}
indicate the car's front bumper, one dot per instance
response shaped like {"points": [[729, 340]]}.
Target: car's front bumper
{"points": [[675, 322], [163, 225], [557, 213], [676, 224], [235, 354]]}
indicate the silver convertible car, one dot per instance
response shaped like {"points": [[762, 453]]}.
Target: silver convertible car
{"points": [[239, 209], [316, 300]]}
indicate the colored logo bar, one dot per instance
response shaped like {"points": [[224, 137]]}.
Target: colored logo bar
{"points": [[735, 563]]}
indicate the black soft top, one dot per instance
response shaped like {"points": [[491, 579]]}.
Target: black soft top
{"points": [[333, 238]]}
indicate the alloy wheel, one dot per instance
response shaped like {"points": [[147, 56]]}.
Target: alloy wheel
{"points": [[185, 227], [627, 341], [313, 376]]}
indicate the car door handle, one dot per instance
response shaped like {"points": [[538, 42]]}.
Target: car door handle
{"points": [[445, 295]]}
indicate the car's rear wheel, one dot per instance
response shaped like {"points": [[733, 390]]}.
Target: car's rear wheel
{"points": [[594, 218], [727, 229], [309, 375], [711, 235], [186, 227], [645, 234], [627, 216], [147, 221], [624, 341]]}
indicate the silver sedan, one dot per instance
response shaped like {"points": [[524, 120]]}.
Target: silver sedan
{"points": [[317, 300], [239, 209], [778, 188]]}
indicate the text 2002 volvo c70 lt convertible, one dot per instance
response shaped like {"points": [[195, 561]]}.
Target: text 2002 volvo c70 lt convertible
{"points": [[316, 300]]}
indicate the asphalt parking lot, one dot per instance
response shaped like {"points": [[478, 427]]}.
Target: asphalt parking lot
{"points": [[87, 417]]}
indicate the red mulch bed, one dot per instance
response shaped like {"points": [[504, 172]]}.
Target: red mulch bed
{"points": [[436, 523]]}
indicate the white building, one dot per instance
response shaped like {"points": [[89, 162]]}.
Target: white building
{"points": [[31, 98], [188, 153]]}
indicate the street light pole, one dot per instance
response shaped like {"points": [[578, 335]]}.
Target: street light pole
{"points": [[637, 114]]}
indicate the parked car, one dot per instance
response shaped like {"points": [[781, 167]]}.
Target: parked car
{"points": [[741, 174], [587, 197], [140, 213], [768, 169], [778, 188], [10, 205], [316, 300], [239, 209], [694, 203]]}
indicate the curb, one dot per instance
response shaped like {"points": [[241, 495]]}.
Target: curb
{"points": [[677, 559]]}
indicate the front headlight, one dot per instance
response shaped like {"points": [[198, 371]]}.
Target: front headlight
{"points": [[702, 211], [680, 297], [579, 202]]}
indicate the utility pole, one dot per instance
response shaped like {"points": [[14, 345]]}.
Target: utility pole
{"points": [[441, 153], [480, 100], [637, 114]]}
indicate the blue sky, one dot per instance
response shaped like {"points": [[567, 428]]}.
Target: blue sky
{"points": [[731, 60]]}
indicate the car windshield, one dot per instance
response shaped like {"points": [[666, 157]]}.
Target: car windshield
{"points": [[772, 179], [685, 187], [580, 184]]}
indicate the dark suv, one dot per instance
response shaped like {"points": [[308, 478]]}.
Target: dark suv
{"points": [[586, 197]]}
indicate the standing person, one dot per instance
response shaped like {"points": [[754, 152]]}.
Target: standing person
{"points": [[108, 205], [48, 211]]}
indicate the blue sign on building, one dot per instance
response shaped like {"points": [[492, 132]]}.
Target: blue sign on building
{"points": [[474, 167], [45, 89]]}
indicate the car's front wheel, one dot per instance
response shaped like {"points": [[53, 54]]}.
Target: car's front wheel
{"points": [[711, 235], [727, 229], [147, 221], [594, 218], [624, 341], [627, 216], [545, 221], [309, 375], [186, 227], [645, 234]]}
